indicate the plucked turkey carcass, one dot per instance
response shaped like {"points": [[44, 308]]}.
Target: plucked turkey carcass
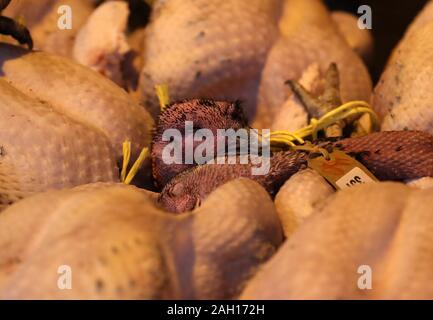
{"points": [[307, 35], [104, 44], [118, 244], [230, 49], [370, 242], [403, 96], [62, 124]]}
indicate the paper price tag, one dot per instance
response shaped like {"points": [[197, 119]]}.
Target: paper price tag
{"points": [[342, 171], [352, 178]]}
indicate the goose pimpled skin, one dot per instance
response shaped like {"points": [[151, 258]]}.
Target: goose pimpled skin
{"points": [[299, 198], [62, 124], [63, 128], [208, 49], [307, 35], [403, 96], [228, 49], [101, 43], [120, 245], [382, 228], [360, 40]]}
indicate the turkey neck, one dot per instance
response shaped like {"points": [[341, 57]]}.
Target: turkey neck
{"points": [[298, 14]]}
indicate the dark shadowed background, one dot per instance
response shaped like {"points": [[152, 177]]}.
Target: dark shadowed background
{"points": [[390, 19]]}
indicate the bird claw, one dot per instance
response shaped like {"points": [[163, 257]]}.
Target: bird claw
{"points": [[330, 99], [316, 107], [13, 28], [4, 4]]}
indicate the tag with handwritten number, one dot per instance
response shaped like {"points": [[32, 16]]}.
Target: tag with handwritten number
{"points": [[342, 171]]}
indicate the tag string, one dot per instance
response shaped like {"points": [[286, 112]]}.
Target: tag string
{"points": [[349, 109], [295, 140], [125, 176], [163, 95], [309, 147]]}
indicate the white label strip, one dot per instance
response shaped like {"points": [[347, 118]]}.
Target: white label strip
{"points": [[354, 177]]}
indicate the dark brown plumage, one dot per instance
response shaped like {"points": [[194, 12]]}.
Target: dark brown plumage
{"points": [[393, 155], [397, 155], [185, 191], [203, 113]]}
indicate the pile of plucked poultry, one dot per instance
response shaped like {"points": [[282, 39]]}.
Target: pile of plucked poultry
{"points": [[206, 231]]}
